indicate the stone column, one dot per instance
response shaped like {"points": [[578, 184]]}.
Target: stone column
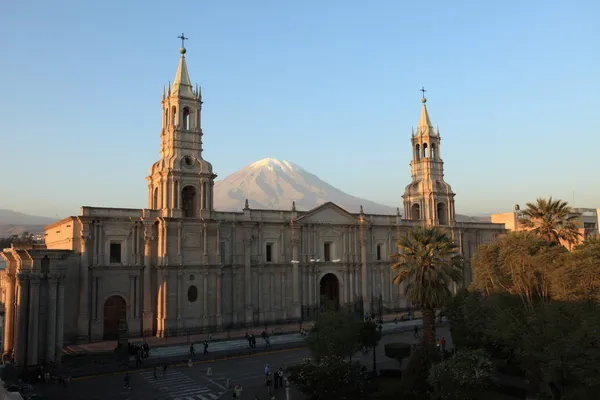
{"points": [[351, 284], [295, 278], [164, 299], [51, 327], [83, 320], [234, 301], [9, 313], [179, 295], [218, 296], [364, 273], [283, 295], [261, 317], [34, 311], [60, 320], [22, 320], [147, 314], [248, 280], [205, 299]]}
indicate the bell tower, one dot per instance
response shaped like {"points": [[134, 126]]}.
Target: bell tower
{"points": [[428, 197], [181, 183]]}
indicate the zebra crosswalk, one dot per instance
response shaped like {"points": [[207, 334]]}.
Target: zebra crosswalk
{"points": [[175, 385]]}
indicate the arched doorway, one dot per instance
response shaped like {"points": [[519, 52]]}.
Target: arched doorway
{"points": [[442, 214], [415, 212], [330, 291], [115, 310]]}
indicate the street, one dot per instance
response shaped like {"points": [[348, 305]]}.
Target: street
{"points": [[182, 382]]}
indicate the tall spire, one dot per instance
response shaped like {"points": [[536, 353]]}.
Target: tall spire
{"points": [[425, 126], [182, 87]]}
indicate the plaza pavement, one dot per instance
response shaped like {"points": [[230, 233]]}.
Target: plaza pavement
{"points": [[196, 383], [178, 353]]}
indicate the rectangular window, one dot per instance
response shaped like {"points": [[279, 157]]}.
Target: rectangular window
{"points": [[222, 249], [115, 253], [327, 251], [378, 252], [589, 225], [269, 252]]}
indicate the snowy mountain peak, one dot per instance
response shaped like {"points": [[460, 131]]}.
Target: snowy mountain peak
{"points": [[273, 184], [273, 163]]}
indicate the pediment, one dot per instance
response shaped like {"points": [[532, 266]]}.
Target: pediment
{"points": [[328, 213]]}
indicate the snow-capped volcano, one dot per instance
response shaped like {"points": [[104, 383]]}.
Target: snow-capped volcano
{"points": [[274, 184]]}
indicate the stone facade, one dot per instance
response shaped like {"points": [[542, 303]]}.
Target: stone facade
{"points": [[181, 264]]}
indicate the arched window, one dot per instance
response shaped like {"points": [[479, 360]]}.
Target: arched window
{"points": [[174, 116], [155, 199], [186, 119], [415, 212], [192, 294], [442, 213], [188, 200], [425, 150], [433, 151], [417, 152], [45, 265]]}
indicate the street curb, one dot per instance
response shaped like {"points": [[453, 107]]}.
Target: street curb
{"points": [[220, 355]]}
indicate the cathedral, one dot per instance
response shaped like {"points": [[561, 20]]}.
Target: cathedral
{"points": [[181, 264]]}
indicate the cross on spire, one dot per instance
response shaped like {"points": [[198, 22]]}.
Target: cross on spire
{"points": [[183, 38], [423, 90]]}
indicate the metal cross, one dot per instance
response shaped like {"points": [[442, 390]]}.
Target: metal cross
{"points": [[423, 90], [182, 39]]}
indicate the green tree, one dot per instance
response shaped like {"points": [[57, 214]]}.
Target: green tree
{"points": [[330, 378], [462, 376], [551, 220], [336, 333], [369, 338], [428, 262]]}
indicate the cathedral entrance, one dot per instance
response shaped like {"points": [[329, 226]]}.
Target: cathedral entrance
{"points": [[115, 310], [330, 292]]}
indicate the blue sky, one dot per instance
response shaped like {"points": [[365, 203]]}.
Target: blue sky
{"points": [[330, 85]]}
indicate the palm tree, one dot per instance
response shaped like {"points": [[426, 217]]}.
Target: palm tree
{"points": [[428, 262], [551, 220]]}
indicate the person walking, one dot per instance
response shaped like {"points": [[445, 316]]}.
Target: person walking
{"points": [[127, 381], [416, 332], [205, 347], [192, 351]]}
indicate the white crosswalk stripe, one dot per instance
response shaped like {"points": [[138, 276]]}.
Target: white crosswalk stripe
{"points": [[175, 385]]}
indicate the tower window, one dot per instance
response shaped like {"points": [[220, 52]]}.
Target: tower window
{"points": [[155, 199], [186, 118], [176, 197], [442, 213], [378, 252], [327, 251], [433, 151], [115, 253], [188, 198], [204, 196], [417, 152], [174, 116], [415, 212], [425, 150], [269, 252]]}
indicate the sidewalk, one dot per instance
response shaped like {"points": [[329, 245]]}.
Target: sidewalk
{"points": [[156, 342], [174, 354]]}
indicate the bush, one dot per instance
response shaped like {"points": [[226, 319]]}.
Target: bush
{"points": [[461, 376]]}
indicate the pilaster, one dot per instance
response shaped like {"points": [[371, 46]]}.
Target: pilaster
{"points": [[9, 313], [52, 315], [22, 320], [60, 320], [147, 314], [34, 312]]}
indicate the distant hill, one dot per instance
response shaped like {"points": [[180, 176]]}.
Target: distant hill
{"points": [[274, 184], [15, 223]]}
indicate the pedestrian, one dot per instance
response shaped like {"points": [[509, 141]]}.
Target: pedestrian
{"points": [[276, 380], [249, 339], [127, 380], [154, 372], [443, 342], [269, 383], [253, 340], [205, 347], [192, 351], [416, 332], [267, 370], [267, 342], [146, 350], [280, 377]]}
